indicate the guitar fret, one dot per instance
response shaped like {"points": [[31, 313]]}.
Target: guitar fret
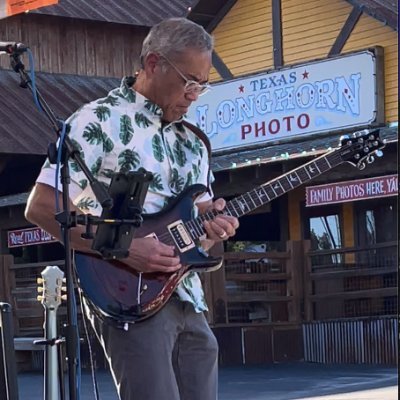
{"points": [[197, 228], [273, 189], [316, 166], [303, 174], [192, 231], [271, 193], [309, 176], [243, 205], [324, 165], [285, 184], [290, 183], [251, 199], [234, 207], [265, 192], [259, 198]]}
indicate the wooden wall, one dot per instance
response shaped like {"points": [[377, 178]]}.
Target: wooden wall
{"points": [[65, 45], [309, 29], [369, 32]]}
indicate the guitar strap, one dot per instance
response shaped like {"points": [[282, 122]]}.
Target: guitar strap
{"points": [[203, 137]]}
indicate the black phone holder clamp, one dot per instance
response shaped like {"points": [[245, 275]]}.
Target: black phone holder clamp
{"points": [[116, 226]]}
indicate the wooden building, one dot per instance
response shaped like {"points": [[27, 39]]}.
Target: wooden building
{"points": [[304, 279]]}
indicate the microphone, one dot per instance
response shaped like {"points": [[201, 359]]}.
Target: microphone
{"points": [[12, 48]]}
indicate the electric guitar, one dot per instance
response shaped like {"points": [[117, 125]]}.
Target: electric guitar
{"points": [[50, 297], [126, 295]]}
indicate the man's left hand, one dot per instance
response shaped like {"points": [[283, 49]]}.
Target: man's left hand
{"points": [[222, 227]]}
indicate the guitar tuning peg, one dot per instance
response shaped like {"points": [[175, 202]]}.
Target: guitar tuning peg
{"points": [[361, 166], [64, 288], [40, 289], [64, 297], [40, 298], [64, 280], [40, 281]]}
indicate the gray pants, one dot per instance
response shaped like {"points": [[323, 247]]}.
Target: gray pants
{"points": [[171, 356]]}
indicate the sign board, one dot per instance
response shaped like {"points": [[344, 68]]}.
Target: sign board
{"points": [[362, 189], [29, 237], [12, 7], [321, 96]]}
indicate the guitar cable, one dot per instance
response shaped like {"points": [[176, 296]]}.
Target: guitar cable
{"points": [[90, 349]]}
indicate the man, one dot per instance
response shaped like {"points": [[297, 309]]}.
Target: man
{"points": [[173, 354]]}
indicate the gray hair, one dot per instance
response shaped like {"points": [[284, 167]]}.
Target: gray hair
{"points": [[175, 35]]}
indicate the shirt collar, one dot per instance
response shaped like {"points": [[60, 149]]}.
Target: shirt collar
{"points": [[132, 96]]}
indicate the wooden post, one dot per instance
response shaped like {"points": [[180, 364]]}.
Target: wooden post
{"points": [[308, 305], [5, 279], [295, 283]]}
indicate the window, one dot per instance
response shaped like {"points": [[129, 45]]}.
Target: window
{"points": [[324, 230], [376, 221]]}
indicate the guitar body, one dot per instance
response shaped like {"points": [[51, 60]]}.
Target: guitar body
{"points": [[122, 293]]}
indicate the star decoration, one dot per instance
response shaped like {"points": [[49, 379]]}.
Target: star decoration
{"points": [[305, 74], [241, 89]]}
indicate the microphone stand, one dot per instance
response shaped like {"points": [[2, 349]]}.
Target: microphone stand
{"points": [[64, 218]]}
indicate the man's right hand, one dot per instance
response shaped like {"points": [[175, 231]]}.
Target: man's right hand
{"points": [[150, 255]]}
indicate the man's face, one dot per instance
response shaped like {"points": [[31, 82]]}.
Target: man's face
{"points": [[170, 86]]}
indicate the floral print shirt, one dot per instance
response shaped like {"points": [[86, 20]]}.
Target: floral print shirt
{"points": [[124, 132]]}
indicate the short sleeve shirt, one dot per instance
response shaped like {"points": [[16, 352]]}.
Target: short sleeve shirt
{"points": [[124, 132]]}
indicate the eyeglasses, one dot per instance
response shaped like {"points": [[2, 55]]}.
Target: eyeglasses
{"points": [[191, 86]]}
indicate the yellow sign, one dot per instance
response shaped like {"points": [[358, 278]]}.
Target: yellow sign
{"points": [[11, 7]]}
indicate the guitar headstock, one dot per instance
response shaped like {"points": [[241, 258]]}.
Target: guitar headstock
{"points": [[361, 147], [51, 289]]}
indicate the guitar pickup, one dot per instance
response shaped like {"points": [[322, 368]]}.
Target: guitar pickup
{"points": [[181, 236]]}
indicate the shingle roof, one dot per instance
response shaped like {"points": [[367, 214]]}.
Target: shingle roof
{"points": [[24, 129], [386, 11], [133, 12]]}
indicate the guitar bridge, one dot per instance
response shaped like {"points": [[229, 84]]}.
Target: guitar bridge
{"points": [[181, 236]]}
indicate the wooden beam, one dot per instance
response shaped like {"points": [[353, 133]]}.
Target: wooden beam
{"points": [[345, 32], [220, 66], [220, 15], [277, 33]]}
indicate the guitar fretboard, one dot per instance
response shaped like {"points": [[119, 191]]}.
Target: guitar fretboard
{"points": [[267, 192]]}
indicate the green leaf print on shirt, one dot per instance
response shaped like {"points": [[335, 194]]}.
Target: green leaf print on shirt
{"points": [[86, 203], [170, 153], [142, 121], [95, 168], [176, 181], [128, 160], [156, 183], [108, 144], [126, 129], [111, 100], [93, 133], [180, 155], [158, 149], [196, 171], [102, 113], [189, 179], [83, 184], [153, 108]]}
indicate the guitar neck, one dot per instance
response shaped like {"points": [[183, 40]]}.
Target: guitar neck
{"points": [[269, 191]]}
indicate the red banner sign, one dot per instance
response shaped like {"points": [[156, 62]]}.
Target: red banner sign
{"points": [[29, 237], [12, 7], [340, 192]]}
